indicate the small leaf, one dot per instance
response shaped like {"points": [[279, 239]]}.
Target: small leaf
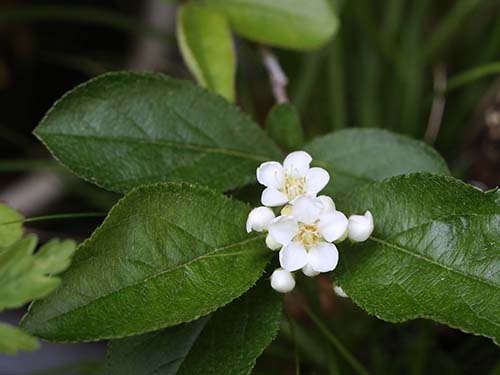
{"points": [[435, 253], [226, 342], [166, 254], [123, 130], [24, 276], [13, 339], [355, 157], [284, 127], [9, 233], [295, 24], [207, 47]]}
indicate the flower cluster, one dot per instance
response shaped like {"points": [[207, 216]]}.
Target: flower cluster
{"points": [[308, 226]]}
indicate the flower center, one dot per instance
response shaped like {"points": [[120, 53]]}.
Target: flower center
{"points": [[308, 235], [294, 186]]}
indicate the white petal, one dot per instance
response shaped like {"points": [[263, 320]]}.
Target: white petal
{"points": [[360, 227], [308, 271], [306, 209], [283, 229], [339, 291], [323, 257], [327, 202], [270, 174], [282, 281], [271, 243], [273, 198], [316, 180], [259, 218], [293, 256], [333, 226], [297, 163]]}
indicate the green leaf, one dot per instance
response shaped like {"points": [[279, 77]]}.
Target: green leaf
{"points": [[123, 130], [284, 127], [13, 339], [295, 24], [355, 157], [435, 253], [207, 47], [226, 342], [24, 276], [9, 233], [166, 254]]}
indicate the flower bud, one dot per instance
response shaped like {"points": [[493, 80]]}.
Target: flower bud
{"points": [[309, 271], [259, 218], [282, 281], [360, 227], [272, 244]]}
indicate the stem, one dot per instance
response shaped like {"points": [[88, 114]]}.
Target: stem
{"points": [[56, 217], [295, 348], [343, 351], [438, 104], [277, 76]]}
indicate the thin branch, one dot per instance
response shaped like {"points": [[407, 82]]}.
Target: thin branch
{"points": [[277, 76], [438, 104]]}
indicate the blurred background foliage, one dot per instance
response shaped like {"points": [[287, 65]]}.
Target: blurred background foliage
{"points": [[425, 68]]}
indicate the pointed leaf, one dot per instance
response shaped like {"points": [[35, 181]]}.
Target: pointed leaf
{"points": [[284, 127], [123, 130], [207, 47], [11, 226], [166, 254], [226, 342], [435, 253], [13, 339], [355, 157]]}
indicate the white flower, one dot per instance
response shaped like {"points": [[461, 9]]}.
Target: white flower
{"points": [[306, 235], [282, 281], [259, 218], [271, 243], [360, 227], [293, 179]]}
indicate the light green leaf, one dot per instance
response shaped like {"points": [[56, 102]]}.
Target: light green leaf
{"points": [[123, 130], [9, 233], [284, 127], [24, 276], [166, 254], [295, 24], [13, 339], [355, 157], [207, 47], [435, 253], [226, 342]]}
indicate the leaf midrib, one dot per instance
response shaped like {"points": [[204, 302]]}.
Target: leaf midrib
{"points": [[187, 146], [161, 273]]}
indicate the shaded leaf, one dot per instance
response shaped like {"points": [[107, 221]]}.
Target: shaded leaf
{"points": [[284, 127], [207, 47], [166, 254], [123, 130], [435, 253], [226, 342], [355, 157], [13, 339], [9, 233], [294, 24]]}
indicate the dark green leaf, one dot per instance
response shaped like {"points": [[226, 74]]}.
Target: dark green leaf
{"points": [[295, 24], [284, 127], [122, 130], [355, 157], [226, 342], [207, 47], [166, 254], [9, 233], [13, 339], [435, 253], [24, 276]]}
